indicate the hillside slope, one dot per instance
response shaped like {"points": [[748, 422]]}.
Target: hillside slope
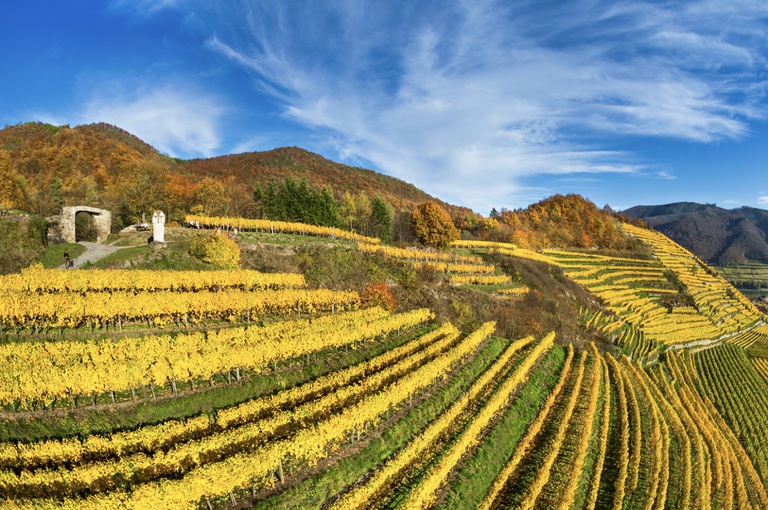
{"points": [[260, 167], [104, 166], [719, 236], [286, 389]]}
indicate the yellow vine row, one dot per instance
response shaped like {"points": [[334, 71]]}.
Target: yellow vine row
{"points": [[603, 438], [154, 437], [68, 480], [309, 444], [700, 495], [693, 403], [362, 495], [65, 368], [418, 255], [553, 446], [462, 279], [38, 279], [676, 423], [423, 495], [655, 496], [289, 227], [527, 442], [738, 453], [569, 493], [448, 267], [94, 309], [621, 479]]}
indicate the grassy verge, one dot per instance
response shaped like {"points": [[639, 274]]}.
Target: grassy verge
{"points": [[104, 420], [54, 255], [174, 257], [119, 258], [314, 491]]}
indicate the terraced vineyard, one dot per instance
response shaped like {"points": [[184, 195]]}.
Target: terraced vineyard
{"points": [[673, 300], [238, 389]]}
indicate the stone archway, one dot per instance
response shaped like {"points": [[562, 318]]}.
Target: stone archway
{"points": [[62, 227]]}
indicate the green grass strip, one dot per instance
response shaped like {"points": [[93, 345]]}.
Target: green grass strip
{"points": [[313, 492], [477, 472]]}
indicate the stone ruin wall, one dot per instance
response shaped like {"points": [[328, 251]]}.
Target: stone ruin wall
{"points": [[62, 226]]}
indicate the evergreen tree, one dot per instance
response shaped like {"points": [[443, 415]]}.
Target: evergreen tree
{"points": [[297, 202], [329, 209], [381, 219]]}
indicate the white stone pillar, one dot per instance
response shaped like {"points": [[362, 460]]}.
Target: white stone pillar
{"points": [[158, 227]]}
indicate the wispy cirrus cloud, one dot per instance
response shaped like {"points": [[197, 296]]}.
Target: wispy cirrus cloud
{"points": [[479, 92], [145, 7], [172, 117]]}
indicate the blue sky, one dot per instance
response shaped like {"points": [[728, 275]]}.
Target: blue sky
{"points": [[480, 103]]}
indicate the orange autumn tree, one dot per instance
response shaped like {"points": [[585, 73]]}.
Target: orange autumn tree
{"points": [[562, 221], [433, 225], [378, 294], [11, 188]]}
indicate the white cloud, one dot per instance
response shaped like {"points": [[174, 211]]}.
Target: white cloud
{"points": [[173, 119], [477, 96], [256, 143], [145, 7], [762, 199]]}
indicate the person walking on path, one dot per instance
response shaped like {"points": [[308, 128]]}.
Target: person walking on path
{"points": [[67, 261]]}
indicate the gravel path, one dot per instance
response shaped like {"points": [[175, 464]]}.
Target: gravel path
{"points": [[93, 252]]}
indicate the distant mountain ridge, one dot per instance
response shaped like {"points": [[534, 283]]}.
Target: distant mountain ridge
{"points": [[718, 236]]}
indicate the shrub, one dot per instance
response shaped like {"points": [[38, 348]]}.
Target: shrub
{"points": [[215, 249], [378, 294]]}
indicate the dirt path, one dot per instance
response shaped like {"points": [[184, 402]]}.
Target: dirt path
{"points": [[93, 252]]}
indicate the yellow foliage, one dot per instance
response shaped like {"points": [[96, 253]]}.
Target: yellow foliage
{"points": [[217, 249]]}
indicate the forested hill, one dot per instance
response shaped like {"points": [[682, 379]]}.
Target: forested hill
{"points": [[319, 172], [104, 166], [718, 236]]}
